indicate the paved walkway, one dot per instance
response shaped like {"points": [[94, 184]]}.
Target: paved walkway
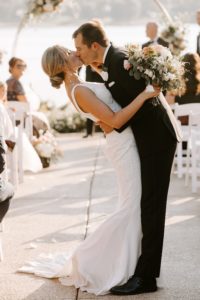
{"points": [[57, 208]]}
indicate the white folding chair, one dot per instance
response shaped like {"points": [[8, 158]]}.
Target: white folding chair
{"points": [[16, 157], [12, 157], [1, 251], [22, 114], [193, 151], [180, 111], [23, 107]]}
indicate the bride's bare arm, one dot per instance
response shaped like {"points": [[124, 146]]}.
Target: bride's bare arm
{"points": [[90, 103]]}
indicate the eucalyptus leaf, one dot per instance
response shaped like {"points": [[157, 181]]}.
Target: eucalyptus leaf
{"points": [[137, 75]]}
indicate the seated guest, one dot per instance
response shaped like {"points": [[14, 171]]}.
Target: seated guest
{"points": [[152, 34], [16, 91], [191, 77], [7, 129], [31, 160], [191, 94], [2, 153], [6, 188]]}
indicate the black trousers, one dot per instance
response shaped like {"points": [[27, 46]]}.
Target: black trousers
{"points": [[155, 173], [89, 127]]}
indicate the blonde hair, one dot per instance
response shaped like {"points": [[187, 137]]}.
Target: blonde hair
{"points": [[53, 61]]}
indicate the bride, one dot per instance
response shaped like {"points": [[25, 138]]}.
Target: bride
{"points": [[108, 256]]}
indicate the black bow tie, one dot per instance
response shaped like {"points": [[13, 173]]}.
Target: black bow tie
{"points": [[103, 68]]}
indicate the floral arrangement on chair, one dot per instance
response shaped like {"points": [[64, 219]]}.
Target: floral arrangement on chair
{"points": [[156, 65], [38, 7], [174, 34], [35, 8], [64, 122], [46, 147]]}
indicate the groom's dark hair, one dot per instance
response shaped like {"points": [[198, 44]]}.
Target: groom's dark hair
{"points": [[91, 32]]}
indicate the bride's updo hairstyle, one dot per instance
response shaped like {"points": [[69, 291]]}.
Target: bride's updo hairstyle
{"points": [[53, 61]]}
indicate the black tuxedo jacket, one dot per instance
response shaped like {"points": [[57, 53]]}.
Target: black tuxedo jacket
{"points": [[91, 75], [160, 41], [150, 122], [198, 44]]}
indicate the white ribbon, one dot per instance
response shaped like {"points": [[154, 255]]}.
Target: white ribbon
{"points": [[174, 121]]}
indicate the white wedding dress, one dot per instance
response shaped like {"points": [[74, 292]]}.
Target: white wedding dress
{"points": [[108, 256]]}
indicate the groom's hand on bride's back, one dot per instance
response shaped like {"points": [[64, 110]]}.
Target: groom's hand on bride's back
{"points": [[106, 128]]}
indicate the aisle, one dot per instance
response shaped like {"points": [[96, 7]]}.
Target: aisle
{"points": [[54, 210]]}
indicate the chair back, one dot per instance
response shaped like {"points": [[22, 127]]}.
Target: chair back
{"points": [[186, 109], [23, 110]]}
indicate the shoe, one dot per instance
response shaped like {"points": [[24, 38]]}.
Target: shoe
{"points": [[135, 285], [86, 136]]}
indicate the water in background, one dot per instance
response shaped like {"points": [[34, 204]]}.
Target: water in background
{"points": [[34, 40]]}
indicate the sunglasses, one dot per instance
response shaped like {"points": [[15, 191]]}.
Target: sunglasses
{"points": [[69, 51], [21, 66]]}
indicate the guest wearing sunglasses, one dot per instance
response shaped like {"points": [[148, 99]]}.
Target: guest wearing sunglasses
{"points": [[16, 91]]}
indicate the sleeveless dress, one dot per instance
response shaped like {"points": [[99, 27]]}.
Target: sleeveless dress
{"points": [[109, 255]]}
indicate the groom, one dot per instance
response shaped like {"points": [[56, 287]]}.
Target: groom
{"points": [[156, 142]]}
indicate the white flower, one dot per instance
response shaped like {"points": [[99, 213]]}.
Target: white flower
{"points": [[165, 52], [169, 76], [148, 73], [140, 68], [149, 88], [127, 65], [44, 149], [104, 75]]}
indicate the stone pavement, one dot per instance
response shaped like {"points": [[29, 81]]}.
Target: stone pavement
{"points": [[55, 209]]}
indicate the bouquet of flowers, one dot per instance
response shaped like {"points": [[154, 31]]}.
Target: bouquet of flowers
{"points": [[174, 34], [156, 65], [46, 147]]}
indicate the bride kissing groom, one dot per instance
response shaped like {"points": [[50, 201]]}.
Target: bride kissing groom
{"points": [[156, 142], [123, 256]]}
